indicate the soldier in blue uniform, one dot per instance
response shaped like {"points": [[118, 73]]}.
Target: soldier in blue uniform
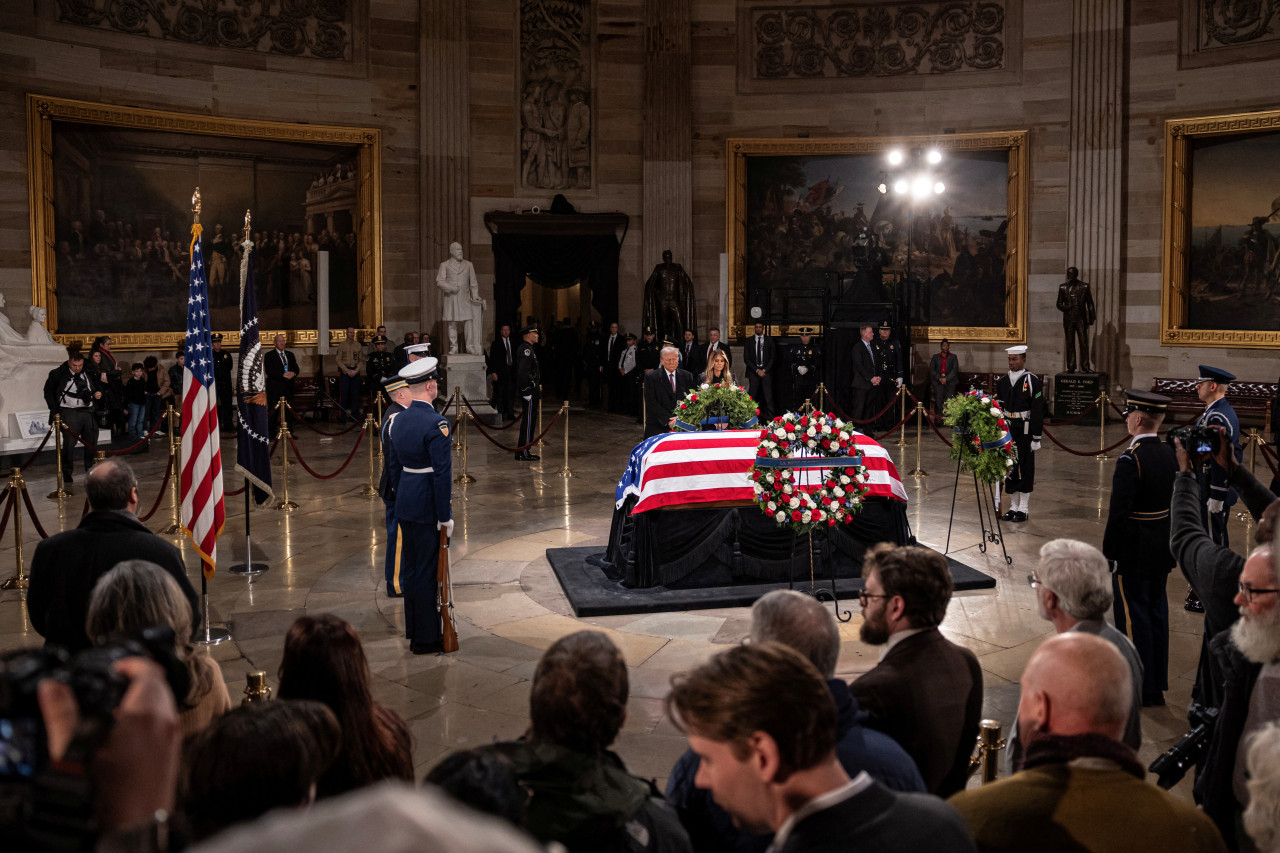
{"points": [[1136, 540], [419, 455], [528, 389], [1216, 497], [397, 390], [806, 357], [1021, 395]]}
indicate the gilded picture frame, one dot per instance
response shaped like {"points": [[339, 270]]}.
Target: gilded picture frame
{"points": [[333, 174], [992, 166], [1221, 238]]}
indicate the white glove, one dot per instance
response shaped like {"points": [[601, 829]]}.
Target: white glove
{"points": [[1035, 445], [528, 398], [446, 526], [802, 370], [899, 381], [1215, 506]]}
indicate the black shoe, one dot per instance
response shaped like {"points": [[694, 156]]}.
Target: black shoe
{"points": [[1152, 700], [1019, 516], [531, 457], [1011, 515], [1192, 604], [391, 594], [427, 648]]}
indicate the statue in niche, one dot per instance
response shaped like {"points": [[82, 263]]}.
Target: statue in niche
{"points": [[578, 131], [1075, 301], [461, 302], [37, 334], [8, 335], [669, 305]]}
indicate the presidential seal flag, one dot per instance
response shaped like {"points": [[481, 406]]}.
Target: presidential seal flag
{"points": [[200, 482], [253, 448]]}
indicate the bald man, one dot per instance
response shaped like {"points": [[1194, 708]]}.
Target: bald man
{"points": [[1082, 789]]}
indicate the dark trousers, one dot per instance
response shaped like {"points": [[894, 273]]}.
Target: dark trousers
{"points": [[392, 563], [594, 381], [349, 394], [80, 422], [226, 405], [761, 390], [1022, 476], [275, 390], [504, 393], [1148, 611], [420, 552], [529, 421]]}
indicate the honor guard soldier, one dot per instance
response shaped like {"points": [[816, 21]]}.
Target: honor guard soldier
{"points": [[1216, 497], [222, 370], [396, 390], [1136, 540], [529, 388], [419, 454], [1021, 395], [378, 366], [888, 354], [806, 357]]}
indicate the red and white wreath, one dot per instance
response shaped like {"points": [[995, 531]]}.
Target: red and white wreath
{"points": [[794, 482]]}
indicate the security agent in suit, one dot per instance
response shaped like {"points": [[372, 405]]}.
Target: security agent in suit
{"points": [[281, 368], [419, 455], [806, 358], [663, 389], [397, 390], [614, 343], [223, 367], [501, 366], [1021, 395], [759, 353], [865, 378], [691, 353], [1136, 540], [529, 389]]}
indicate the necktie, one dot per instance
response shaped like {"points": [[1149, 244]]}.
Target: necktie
{"points": [[507, 343], [672, 377], [284, 360], [759, 351]]}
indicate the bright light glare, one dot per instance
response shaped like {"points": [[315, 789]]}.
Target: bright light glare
{"points": [[938, 188], [935, 157], [895, 157], [900, 186], [920, 187], [882, 188]]}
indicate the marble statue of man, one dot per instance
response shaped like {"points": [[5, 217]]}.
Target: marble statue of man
{"points": [[8, 335], [462, 302], [36, 332]]}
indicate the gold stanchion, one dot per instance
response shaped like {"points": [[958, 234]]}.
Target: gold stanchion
{"points": [[99, 456], [902, 435], [175, 527], [565, 471], [822, 397], [463, 477], [992, 743], [378, 405], [256, 688], [1103, 399], [283, 436], [370, 490], [918, 472], [16, 488], [540, 442], [60, 492], [1253, 439], [457, 419]]}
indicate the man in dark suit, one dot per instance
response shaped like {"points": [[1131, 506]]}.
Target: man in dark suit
{"points": [[759, 355], [926, 692], [614, 345], [1136, 539], [663, 389], [865, 378], [65, 567], [502, 359], [691, 353], [281, 369], [944, 376]]}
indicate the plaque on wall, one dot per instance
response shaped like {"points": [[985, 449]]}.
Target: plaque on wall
{"points": [[1075, 392]]}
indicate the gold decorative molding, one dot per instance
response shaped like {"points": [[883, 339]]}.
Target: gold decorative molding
{"points": [[172, 341]]}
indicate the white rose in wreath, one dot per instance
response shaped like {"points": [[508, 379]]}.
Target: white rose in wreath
{"points": [[995, 411], [794, 503], [780, 517]]}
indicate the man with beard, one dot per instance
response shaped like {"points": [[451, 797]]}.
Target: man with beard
{"points": [[926, 692], [1249, 659]]}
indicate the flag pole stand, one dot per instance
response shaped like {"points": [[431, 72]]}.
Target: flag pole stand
{"points": [[209, 636], [248, 568]]}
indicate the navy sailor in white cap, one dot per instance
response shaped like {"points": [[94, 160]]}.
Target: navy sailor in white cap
{"points": [[1021, 395]]}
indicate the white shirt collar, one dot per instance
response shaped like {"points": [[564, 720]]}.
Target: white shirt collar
{"points": [[1014, 376], [848, 790], [897, 637], [1138, 438]]}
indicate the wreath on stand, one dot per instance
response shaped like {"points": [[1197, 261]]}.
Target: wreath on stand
{"points": [[722, 406], [982, 443], [807, 473]]}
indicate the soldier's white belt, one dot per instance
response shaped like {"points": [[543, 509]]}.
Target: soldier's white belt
{"points": [[418, 470], [1021, 415]]}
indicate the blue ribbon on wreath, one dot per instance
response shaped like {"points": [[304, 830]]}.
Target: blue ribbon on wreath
{"points": [[809, 462], [998, 443]]}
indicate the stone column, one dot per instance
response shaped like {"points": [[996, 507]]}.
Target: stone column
{"points": [[444, 118], [1096, 171], [668, 141]]}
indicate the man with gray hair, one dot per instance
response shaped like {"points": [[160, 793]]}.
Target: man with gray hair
{"points": [[797, 620], [664, 388]]}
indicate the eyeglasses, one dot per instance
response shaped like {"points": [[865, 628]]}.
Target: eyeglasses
{"points": [[1034, 580], [1249, 592], [863, 596]]}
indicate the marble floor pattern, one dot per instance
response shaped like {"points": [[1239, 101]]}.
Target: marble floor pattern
{"points": [[327, 556]]}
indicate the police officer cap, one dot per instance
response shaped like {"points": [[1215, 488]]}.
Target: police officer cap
{"points": [[884, 324], [532, 327], [649, 330], [417, 349], [1020, 349], [216, 337], [393, 383], [422, 370], [1145, 401], [1214, 374], [379, 339], [805, 330]]}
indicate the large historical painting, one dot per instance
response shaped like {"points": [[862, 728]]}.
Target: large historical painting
{"points": [[1222, 218], [810, 216], [116, 226], [556, 122]]}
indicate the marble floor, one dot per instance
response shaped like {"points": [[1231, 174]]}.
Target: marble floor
{"points": [[327, 556]]}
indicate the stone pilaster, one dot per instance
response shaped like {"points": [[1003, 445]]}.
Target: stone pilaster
{"points": [[668, 146]]}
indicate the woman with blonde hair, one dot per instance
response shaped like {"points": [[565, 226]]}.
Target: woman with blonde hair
{"points": [[138, 594], [718, 371]]}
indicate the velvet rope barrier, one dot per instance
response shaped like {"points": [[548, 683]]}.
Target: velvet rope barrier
{"points": [[32, 458], [1094, 452], [300, 419], [930, 420], [341, 468], [1267, 456], [1077, 418], [96, 449], [893, 402], [522, 448], [891, 430], [168, 472], [474, 415], [240, 491], [7, 498], [35, 519]]}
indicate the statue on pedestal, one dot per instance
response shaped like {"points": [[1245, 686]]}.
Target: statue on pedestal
{"points": [[1075, 301], [462, 302], [669, 305], [8, 335]]}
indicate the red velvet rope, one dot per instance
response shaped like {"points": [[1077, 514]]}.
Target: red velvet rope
{"points": [[1077, 418], [475, 415], [32, 458], [240, 491], [96, 449], [873, 418], [1267, 456], [31, 511], [168, 472], [523, 447], [1052, 438], [341, 468], [299, 419], [8, 497]]}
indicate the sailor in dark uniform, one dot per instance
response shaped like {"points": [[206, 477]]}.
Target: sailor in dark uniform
{"points": [[420, 456], [1136, 540], [1021, 395], [528, 389], [806, 357], [222, 370], [378, 366], [397, 390]]}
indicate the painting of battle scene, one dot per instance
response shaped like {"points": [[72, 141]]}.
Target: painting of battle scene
{"points": [[122, 227], [809, 216], [556, 144], [1233, 267]]}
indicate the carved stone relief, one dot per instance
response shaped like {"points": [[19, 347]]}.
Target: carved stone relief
{"points": [[556, 113], [1228, 23]]}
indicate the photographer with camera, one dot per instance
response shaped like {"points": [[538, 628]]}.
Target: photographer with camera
{"points": [[69, 393]]}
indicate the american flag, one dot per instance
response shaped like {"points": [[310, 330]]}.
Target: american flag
{"points": [[699, 467], [201, 481]]}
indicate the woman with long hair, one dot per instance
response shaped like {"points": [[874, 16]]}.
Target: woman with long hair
{"points": [[324, 661], [138, 594], [718, 371]]}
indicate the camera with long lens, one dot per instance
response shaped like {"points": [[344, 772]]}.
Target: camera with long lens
{"points": [[1174, 764], [48, 805], [1196, 440]]}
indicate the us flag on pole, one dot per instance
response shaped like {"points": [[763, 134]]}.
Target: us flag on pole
{"points": [[201, 479]]}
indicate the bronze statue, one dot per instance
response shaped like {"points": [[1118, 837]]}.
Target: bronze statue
{"points": [[669, 306], [1075, 301]]}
